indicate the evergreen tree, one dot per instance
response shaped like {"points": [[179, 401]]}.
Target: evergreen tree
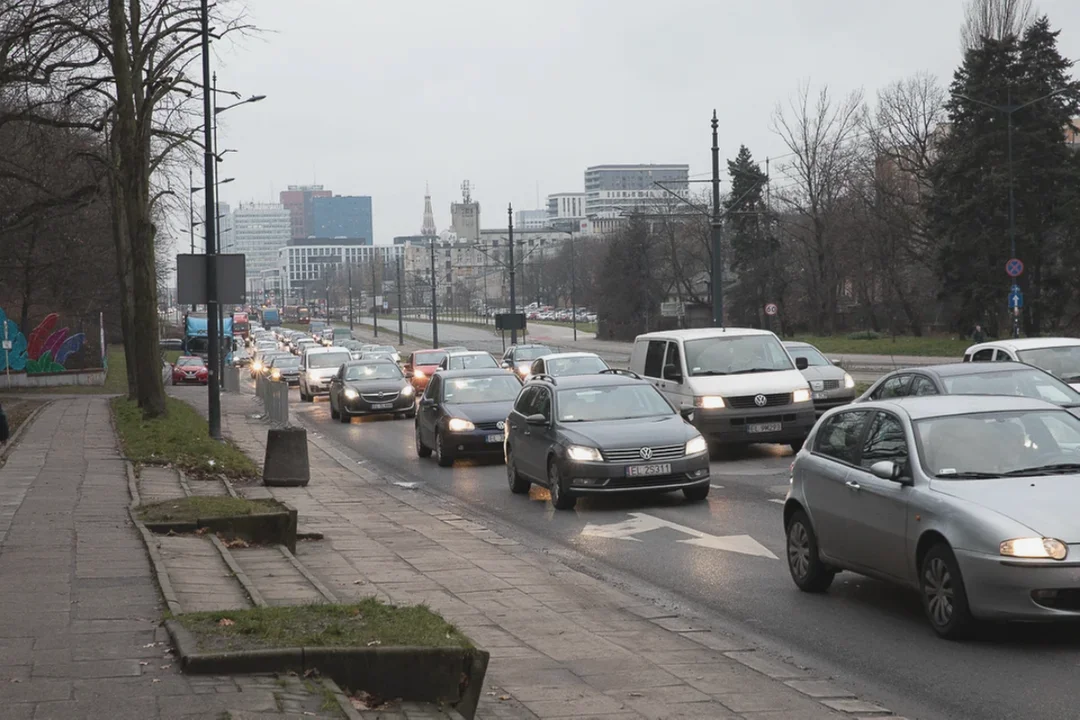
{"points": [[753, 245], [969, 212]]}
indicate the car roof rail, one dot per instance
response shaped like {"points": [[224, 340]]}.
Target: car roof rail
{"points": [[619, 371], [543, 376]]}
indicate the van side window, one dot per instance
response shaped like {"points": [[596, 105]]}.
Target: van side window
{"points": [[673, 356], [984, 355], [654, 358]]}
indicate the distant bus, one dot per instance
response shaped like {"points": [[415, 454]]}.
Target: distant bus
{"points": [[289, 313], [303, 315], [270, 317], [240, 326]]}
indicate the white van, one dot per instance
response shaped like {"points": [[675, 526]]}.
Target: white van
{"points": [[741, 382], [318, 365]]}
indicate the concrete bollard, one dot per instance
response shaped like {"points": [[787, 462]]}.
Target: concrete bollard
{"points": [[286, 462], [232, 379]]}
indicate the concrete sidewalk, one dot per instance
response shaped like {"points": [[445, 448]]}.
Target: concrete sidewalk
{"points": [[79, 611], [563, 644]]}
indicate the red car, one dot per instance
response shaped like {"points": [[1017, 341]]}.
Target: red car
{"points": [[190, 369], [420, 366]]}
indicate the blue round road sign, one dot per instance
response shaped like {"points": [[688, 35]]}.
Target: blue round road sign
{"points": [[1014, 268]]}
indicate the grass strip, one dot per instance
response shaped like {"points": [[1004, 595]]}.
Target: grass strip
{"points": [[199, 507]]}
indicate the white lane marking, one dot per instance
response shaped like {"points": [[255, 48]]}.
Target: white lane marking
{"points": [[639, 523], [778, 501], [717, 487]]}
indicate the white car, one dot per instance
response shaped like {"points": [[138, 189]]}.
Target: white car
{"points": [[1058, 356], [318, 365]]}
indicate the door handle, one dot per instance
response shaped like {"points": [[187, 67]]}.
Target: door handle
{"points": [[853, 485]]}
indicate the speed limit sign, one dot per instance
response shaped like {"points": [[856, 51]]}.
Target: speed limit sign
{"points": [[771, 309]]}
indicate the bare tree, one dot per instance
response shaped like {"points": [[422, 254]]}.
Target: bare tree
{"points": [[821, 136], [994, 19]]}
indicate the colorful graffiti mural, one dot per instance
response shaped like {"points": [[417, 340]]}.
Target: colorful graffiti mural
{"points": [[45, 352]]}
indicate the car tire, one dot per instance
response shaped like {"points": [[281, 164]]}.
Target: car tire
{"points": [[797, 445], [518, 484], [441, 456], [804, 561], [345, 417], [561, 498], [422, 450], [334, 414], [410, 414], [695, 494], [944, 597]]}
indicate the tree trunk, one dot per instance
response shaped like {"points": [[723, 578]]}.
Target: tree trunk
{"points": [[28, 281], [123, 274]]}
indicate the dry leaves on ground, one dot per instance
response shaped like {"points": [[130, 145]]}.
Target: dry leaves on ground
{"points": [[236, 543], [366, 701], [225, 622]]}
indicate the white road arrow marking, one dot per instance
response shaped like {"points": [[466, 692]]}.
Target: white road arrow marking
{"points": [[639, 523]]}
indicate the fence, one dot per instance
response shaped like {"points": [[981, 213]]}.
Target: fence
{"points": [[275, 399]]}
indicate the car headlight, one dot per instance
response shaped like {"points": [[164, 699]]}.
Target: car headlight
{"points": [[849, 382], [583, 454], [256, 366], [696, 445], [275, 374], [1035, 548], [420, 374], [460, 425], [351, 394], [524, 369], [709, 402], [407, 391], [312, 377], [800, 395]]}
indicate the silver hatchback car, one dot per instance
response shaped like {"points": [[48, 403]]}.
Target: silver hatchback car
{"points": [[969, 499]]}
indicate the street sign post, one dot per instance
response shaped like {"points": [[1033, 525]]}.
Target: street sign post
{"points": [[771, 309], [1014, 267], [1016, 299]]}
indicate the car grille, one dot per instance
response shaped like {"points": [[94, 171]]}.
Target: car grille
{"points": [[741, 421], [488, 425], [654, 481], [659, 453], [830, 384], [380, 397], [750, 401]]}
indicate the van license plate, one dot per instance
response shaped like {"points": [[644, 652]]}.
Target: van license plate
{"points": [[648, 470], [819, 396], [764, 427], [381, 406]]}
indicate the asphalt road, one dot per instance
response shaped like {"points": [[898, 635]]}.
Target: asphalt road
{"points": [[868, 635]]}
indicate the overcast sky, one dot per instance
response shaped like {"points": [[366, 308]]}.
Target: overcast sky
{"points": [[379, 97]]}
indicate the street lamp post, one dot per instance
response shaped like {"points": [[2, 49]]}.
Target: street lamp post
{"points": [[1010, 109], [348, 267], [714, 232], [513, 297], [434, 301], [374, 296], [213, 349]]}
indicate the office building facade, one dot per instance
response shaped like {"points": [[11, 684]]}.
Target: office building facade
{"points": [[616, 190], [258, 231], [299, 201], [345, 216], [305, 263]]}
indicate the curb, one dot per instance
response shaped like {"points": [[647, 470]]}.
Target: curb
{"points": [[13, 441], [238, 573], [300, 568], [161, 574]]}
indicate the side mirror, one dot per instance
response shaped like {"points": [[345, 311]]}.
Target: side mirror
{"points": [[687, 414], [536, 419], [837, 362], [672, 373], [427, 401], [888, 470], [506, 364], [801, 363]]}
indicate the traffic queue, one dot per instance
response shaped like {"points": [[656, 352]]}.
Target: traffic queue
{"points": [[959, 480]]}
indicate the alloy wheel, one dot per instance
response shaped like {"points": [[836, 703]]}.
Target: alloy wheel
{"points": [[938, 587], [798, 550]]}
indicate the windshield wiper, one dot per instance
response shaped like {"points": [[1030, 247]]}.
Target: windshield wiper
{"points": [[752, 370], [708, 372], [1042, 469], [968, 475]]}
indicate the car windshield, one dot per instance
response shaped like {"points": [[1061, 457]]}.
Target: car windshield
{"points": [[1061, 361], [429, 358], [286, 361], [611, 402], [330, 359], [496, 388], [373, 354], [735, 355], [530, 353], [985, 445], [373, 371], [574, 366], [189, 362], [813, 357], [1025, 382], [472, 362]]}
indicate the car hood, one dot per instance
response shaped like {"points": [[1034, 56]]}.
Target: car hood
{"points": [[823, 372], [288, 370], [1047, 505], [481, 412], [376, 386], [639, 432], [777, 381], [324, 372]]}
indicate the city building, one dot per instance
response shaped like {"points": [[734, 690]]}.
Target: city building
{"points": [[347, 216], [566, 206], [258, 231], [531, 219], [298, 200], [427, 227], [614, 190], [465, 216], [305, 265]]}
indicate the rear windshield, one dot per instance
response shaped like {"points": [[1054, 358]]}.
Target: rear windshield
{"points": [[325, 360]]}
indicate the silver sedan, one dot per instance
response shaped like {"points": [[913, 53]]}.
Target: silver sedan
{"points": [[969, 499]]}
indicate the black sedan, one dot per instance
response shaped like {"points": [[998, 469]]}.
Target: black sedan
{"points": [[606, 433], [371, 387], [463, 412], [285, 368], [1000, 378]]}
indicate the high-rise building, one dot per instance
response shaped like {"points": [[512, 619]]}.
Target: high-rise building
{"points": [[298, 201], [612, 190], [465, 216], [259, 230], [566, 206], [343, 216]]}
